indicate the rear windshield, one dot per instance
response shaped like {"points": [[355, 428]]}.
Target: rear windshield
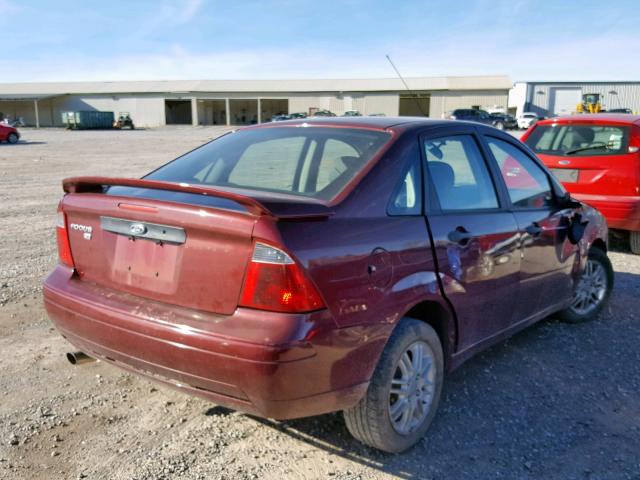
{"points": [[309, 161], [579, 140]]}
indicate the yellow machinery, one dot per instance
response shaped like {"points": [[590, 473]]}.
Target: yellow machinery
{"points": [[590, 103]]}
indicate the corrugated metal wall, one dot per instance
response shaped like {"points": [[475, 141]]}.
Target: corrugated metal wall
{"points": [[146, 111], [26, 111], [540, 95], [386, 103]]}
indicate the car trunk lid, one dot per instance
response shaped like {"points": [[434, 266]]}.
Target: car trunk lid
{"points": [[178, 250]]}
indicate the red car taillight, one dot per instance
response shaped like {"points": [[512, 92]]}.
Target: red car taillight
{"points": [[62, 235], [275, 282]]}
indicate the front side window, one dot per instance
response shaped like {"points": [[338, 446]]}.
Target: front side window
{"points": [[309, 161], [459, 174], [579, 140], [526, 182]]}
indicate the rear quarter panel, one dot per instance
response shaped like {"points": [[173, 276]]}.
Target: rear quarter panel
{"points": [[370, 268]]}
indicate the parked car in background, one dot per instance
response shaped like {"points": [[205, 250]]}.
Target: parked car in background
{"points": [[509, 121], [597, 158], [352, 113], [289, 272], [9, 134], [297, 115], [323, 113], [280, 117], [499, 120], [527, 119]]}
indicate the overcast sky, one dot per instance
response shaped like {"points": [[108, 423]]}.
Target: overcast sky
{"points": [[63, 40]]}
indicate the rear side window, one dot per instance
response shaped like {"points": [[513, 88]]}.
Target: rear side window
{"points": [[459, 174], [527, 183], [579, 140], [309, 161], [407, 198]]}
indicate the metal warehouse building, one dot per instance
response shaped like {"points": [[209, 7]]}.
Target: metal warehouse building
{"points": [[241, 102], [561, 98]]}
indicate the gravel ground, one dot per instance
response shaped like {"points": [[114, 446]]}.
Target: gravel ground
{"points": [[556, 401]]}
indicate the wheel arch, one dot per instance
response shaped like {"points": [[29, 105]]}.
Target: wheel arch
{"points": [[600, 244], [441, 319]]}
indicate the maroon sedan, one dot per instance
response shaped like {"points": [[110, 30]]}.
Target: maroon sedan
{"points": [[311, 266], [9, 134]]}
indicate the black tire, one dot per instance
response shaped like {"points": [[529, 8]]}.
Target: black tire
{"points": [[570, 314], [12, 138], [369, 421], [634, 242], [499, 125]]}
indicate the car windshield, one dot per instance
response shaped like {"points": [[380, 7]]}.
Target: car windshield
{"points": [[315, 162], [579, 140]]}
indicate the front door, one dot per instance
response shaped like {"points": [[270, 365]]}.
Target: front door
{"points": [[547, 254], [474, 235]]}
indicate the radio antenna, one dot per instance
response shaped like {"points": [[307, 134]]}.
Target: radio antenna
{"points": [[414, 95]]}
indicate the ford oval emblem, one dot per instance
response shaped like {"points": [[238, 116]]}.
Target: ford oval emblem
{"points": [[137, 229], [564, 162]]}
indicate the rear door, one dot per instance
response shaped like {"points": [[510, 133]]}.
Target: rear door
{"points": [[547, 255], [474, 235]]}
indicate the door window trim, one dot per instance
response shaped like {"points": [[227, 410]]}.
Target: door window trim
{"points": [[498, 174], [431, 201]]}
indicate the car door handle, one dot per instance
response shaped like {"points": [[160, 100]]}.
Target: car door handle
{"points": [[534, 229], [460, 236]]}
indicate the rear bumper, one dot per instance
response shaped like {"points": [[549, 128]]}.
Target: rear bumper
{"points": [[621, 212], [257, 362]]}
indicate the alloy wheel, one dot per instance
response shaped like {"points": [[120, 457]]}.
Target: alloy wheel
{"points": [[591, 289], [412, 388]]}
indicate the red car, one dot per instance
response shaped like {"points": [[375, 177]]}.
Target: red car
{"points": [[9, 134], [597, 158], [310, 266]]}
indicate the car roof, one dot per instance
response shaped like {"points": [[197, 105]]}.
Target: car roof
{"points": [[601, 118], [373, 123]]}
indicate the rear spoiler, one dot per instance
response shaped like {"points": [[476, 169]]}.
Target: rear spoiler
{"points": [[277, 208]]}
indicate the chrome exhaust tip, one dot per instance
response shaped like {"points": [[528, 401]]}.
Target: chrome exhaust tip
{"points": [[79, 358]]}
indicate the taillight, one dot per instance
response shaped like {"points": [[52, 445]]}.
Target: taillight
{"points": [[275, 282], [62, 235]]}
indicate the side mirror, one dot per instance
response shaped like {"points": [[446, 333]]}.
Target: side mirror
{"points": [[577, 227], [565, 201]]}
